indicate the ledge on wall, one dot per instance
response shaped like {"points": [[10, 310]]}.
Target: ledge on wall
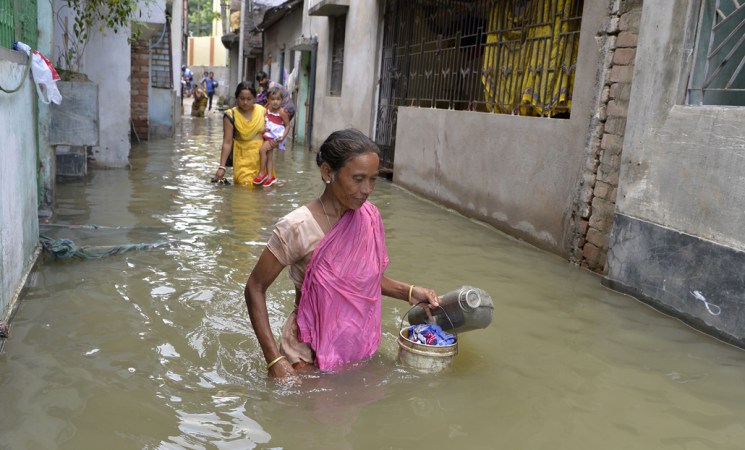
{"points": [[302, 44], [329, 8]]}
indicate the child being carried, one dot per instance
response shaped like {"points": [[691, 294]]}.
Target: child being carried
{"points": [[277, 127]]}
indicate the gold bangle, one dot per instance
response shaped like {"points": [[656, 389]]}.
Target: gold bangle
{"points": [[411, 288], [279, 358]]}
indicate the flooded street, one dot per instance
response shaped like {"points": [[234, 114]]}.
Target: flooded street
{"points": [[153, 349]]}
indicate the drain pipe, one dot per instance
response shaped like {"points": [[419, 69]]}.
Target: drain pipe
{"points": [[312, 93]]}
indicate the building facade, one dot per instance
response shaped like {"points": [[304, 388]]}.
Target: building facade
{"points": [[604, 132]]}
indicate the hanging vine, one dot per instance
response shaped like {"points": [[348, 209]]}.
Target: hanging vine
{"points": [[89, 17]]}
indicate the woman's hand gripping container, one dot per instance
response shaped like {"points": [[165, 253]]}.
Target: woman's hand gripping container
{"points": [[464, 309]]}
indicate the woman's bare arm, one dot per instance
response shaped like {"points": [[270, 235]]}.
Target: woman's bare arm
{"points": [[409, 292], [263, 275], [227, 145]]}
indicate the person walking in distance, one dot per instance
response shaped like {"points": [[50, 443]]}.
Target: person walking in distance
{"points": [[209, 87], [186, 80]]}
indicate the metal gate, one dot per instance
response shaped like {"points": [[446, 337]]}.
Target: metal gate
{"points": [[390, 70]]}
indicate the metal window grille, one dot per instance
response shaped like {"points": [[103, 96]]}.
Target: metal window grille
{"points": [[495, 56], [487, 55], [160, 59], [337, 54], [18, 22], [718, 70]]}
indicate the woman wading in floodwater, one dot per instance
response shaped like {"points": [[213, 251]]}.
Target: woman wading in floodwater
{"points": [[335, 249], [243, 126]]}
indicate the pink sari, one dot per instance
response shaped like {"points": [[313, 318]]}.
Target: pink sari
{"points": [[339, 312]]}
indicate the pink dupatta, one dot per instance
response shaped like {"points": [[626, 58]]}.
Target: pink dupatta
{"points": [[339, 312]]}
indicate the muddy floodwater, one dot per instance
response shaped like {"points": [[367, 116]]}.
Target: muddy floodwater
{"points": [[153, 349]]}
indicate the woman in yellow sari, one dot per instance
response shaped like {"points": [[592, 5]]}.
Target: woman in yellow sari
{"points": [[243, 126]]}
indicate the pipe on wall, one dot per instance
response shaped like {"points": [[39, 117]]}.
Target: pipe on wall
{"points": [[312, 90]]}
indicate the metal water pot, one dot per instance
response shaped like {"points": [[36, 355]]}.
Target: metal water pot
{"points": [[464, 309]]}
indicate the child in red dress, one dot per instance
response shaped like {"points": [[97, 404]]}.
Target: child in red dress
{"points": [[277, 127]]}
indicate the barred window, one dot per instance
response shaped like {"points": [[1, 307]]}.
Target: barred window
{"points": [[494, 56], [161, 72], [503, 56], [718, 70], [338, 28]]}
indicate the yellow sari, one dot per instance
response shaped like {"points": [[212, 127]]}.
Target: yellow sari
{"points": [[247, 141], [200, 103]]}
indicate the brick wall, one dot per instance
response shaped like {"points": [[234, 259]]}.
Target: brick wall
{"points": [[593, 213], [140, 82]]}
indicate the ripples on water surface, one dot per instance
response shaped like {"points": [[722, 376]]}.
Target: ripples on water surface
{"points": [[154, 349]]}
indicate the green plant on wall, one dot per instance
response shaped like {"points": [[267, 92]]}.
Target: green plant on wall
{"points": [[201, 17], [79, 20]]}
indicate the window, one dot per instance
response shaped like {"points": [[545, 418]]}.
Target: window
{"points": [[338, 27], [161, 75], [718, 70], [502, 56]]}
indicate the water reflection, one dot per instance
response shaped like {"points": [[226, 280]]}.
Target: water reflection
{"points": [[154, 349]]}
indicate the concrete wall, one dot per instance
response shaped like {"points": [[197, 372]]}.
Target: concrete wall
{"points": [[163, 111], [46, 150], [278, 37], [27, 167], [233, 75], [106, 62], [177, 51], [19, 223], [151, 11], [112, 73], [74, 122], [355, 106], [520, 174], [513, 180], [207, 51], [679, 238]]}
